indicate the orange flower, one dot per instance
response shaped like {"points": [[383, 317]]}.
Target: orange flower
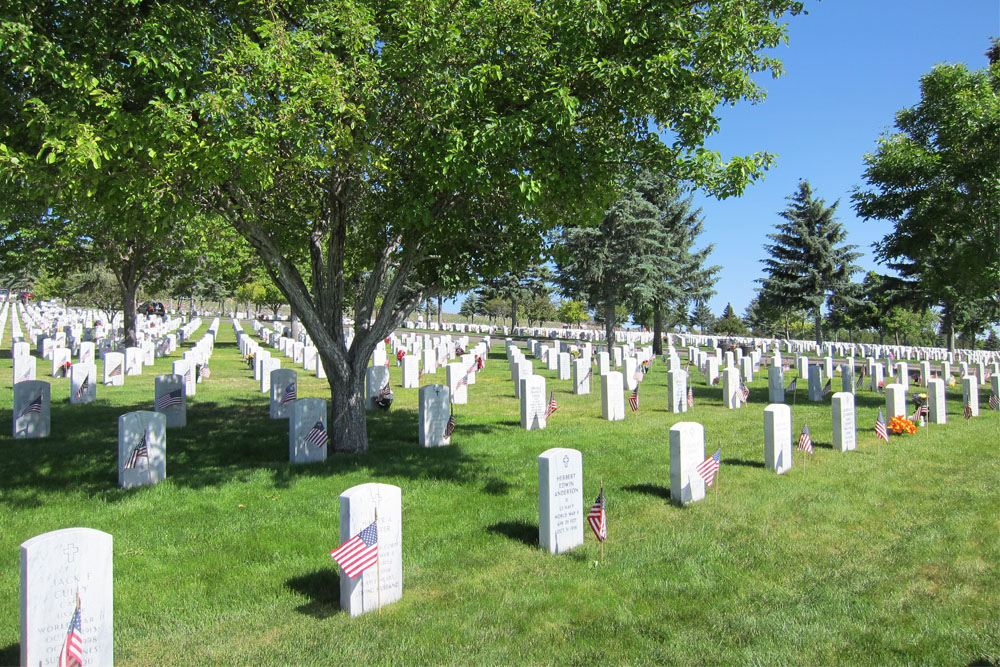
{"points": [[900, 425]]}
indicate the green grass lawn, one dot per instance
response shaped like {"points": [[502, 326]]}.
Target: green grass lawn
{"points": [[885, 555]]}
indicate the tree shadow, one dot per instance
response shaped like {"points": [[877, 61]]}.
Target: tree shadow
{"points": [[11, 655], [496, 487], [743, 462], [323, 590], [654, 490], [520, 531]]}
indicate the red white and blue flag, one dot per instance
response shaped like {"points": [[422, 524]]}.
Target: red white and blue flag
{"points": [[291, 394], [169, 399], [805, 440], [34, 406], [317, 435], [633, 400], [140, 451], [84, 386], [598, 519], [552, 406], [690, 398], [449, 428], [358, 553], [710, 466], [72, 651], [880, 430]]}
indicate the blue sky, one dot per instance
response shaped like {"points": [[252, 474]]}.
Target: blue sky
{"points": [[850, 65]]}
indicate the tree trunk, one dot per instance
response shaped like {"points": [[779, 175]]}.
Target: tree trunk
{"points": [[347, 427], [657, 327], [609, 325], [818, 319], [129, 288], [513, 312], [440, 308], [948, 324]]}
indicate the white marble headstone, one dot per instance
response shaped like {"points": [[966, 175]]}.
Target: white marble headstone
{"points": [[114, 369], [895, 401], [82, 383], [560, 499], [31, 415], [775, 384], [284, 386], [581, 376], [170, 400], [778, 438], [457, 382], [376, 379], [970, 394], [142, 448], [433, 411], [359, 507], [308, 431], [844, 426], [533, 402], [24, 368], [612, 396], [56, 567], [687, 451]]}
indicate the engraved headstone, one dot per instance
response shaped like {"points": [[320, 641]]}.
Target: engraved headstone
{"points": [[564, 366], [114, 369], [59, 568], [458, 383], [284, 391], [267, 366], [170, 400], [133, 361], [970, 394], [731, 396], [82, 383], [411, 372], [533, 402], [687, 451], [937, 406], [815, 382], [677, 382], [31, 409], [844, 426], [778, 438], [142, 448], [775, 384], [308, 431], [560, 499], [612, 396], [360, 506], [582, 374], [895, 401], [433, 411], [60, 359], [24, 368], [376, 380]]}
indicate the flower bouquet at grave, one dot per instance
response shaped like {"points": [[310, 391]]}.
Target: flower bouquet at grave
{"points": [[952, 382], [900, 425], [64, 369], [920, 405], [249, 359]]}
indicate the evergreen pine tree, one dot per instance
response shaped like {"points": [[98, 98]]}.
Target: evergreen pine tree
{"points": [[809, 264]]}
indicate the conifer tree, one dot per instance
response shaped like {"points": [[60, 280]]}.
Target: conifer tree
{"points": [[809, 263]]}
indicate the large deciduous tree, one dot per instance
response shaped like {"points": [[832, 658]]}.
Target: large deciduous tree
{"points": [[377, 155], [937, 179], [809, 264]]}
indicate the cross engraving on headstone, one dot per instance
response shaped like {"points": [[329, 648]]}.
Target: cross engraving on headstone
{"points": [[565, 461], [70, 551]]}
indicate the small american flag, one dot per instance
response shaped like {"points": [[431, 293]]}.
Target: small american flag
{"points": [[449, 428], [72, 652], [827, 387], [317, 435], [384, 392], [463, 382], [744, 393], [715, 380], [994, 401], [792, 385], [710, 466], [140, 451], [480, 364], [805, 441], [552, 406], [880, 430], [34, 406], [598, 519], [116, 371], [358, 553], [633, 400], [637, 376], [24, 376], [168, 400], [690, 398], [590, 374], [291, 394], [204, 371], [968, 410], [84, 386]]}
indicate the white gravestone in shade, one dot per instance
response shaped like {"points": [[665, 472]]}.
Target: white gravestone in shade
{"points": [[925, 372], [82, 383], [775, 384], [778, 438], [376, 379], [552, 359], [560, 499], [378, 356], [731, 396], [57, 569], [24, 368], [746, 369], [687, 451], [142, 448], [60, 357], [258, 362], [433, 411], [937, 406], [711, 370], [169, 399], [564, 366], [185, 369], [521, 370], [267, 367], [457, 383], [533, 402], [308, 436], [877, 377], [895, 401], [995, 385], [20, 349], [903, 375], [309, 357], [802, 366], [847, 377], [815, 382], [360, 506], [429, 359], [827, 367], [845, 435], [603, 364], [284, 390], [970, 394], [677, 381], [411, 372], [612, 396], [114, 369], [31, 409], [320, 369], [581, 376], [133, 361], [629, 375]]}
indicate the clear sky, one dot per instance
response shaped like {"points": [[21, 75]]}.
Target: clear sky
{"points": [[850, 65]]}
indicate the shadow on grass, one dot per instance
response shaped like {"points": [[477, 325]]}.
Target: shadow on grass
{"points": [[650, 490], [743, 462], [323, 590], [521, 531], [11, 655], [496, 487]]}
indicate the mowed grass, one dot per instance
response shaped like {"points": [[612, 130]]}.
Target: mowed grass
{"points": [[886, 555]]}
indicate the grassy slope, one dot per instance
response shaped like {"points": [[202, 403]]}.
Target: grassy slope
{"points": [[883, 555]]}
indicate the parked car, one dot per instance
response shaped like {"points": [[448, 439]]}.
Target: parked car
{"points": [[152, 308]]}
